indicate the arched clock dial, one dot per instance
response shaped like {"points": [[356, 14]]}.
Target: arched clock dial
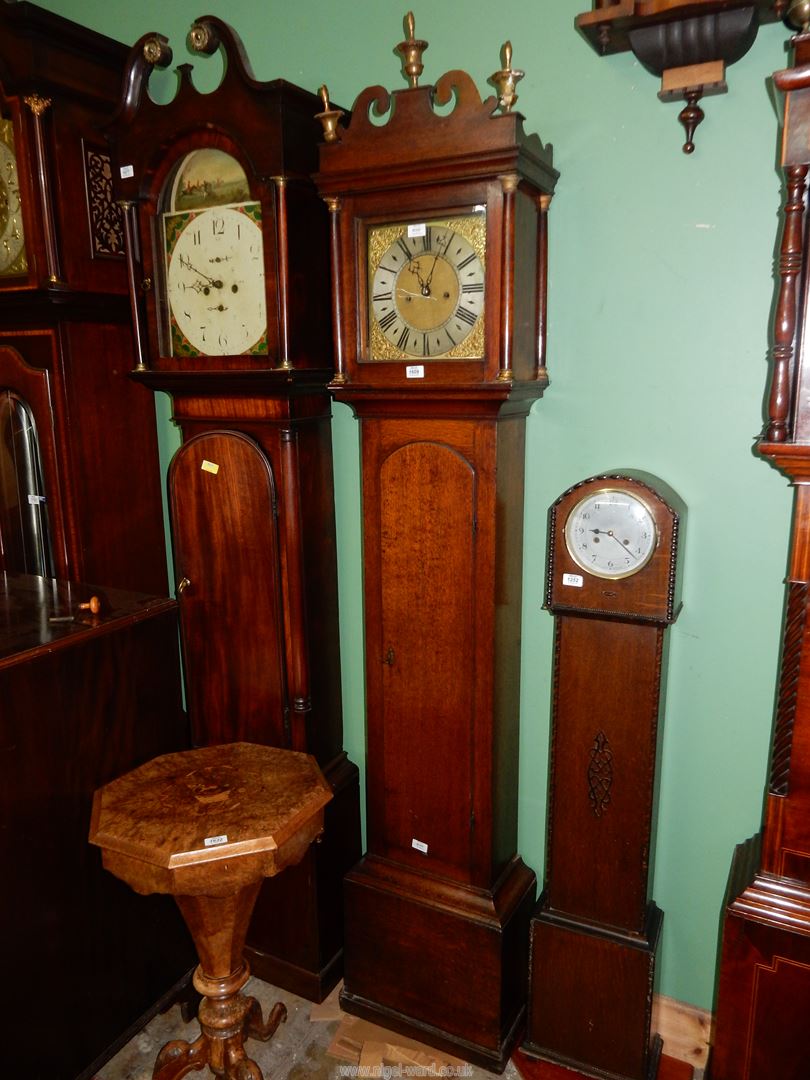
{"points": [[426, 282], [12, 239], [215, 281]]}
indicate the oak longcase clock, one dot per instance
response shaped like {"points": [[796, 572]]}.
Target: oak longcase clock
{"points": [[439, 268], [227, 249]]}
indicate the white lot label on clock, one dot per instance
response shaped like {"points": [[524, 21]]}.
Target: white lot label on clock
{"points": [[417, 230], [573, 579], [215, 841], [209, 466], [420, 846], [415, 371], [127, 171]]}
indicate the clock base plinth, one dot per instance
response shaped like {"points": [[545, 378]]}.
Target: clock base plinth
{"points": [[438, 961], [295, 940], [763, 996], [590, 996]]}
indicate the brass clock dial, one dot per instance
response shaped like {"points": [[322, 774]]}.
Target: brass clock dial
{"points": [[215, 281], [13, 260], [426, 288], [611, 534]]}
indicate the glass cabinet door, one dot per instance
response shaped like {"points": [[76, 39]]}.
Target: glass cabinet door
{"points": [[25, 536]]}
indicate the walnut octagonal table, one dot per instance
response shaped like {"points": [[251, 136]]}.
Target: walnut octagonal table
{"points": [[207, 826]]}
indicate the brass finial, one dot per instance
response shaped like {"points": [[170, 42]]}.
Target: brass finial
{"points": [[329, 118], [411, 52], [799, 15], [506, 79], [156, 51]]}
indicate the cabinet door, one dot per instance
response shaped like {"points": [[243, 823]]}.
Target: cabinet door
{"points": [[223, 511], [427, 573]]}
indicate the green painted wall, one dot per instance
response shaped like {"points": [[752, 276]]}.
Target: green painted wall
{"points": [[660, 299]]}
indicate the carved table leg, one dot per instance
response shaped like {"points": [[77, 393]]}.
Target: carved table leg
{"points": [[227, 1017]]}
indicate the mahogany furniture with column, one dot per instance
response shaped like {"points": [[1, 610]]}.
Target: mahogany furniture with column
{"points": [[207, 826], [84, 698], [229, 273], [86, 503], [439, 273], [763, 998]]}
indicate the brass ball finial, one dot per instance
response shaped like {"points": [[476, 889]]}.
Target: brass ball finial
{"points": [[506, 79], [799, 15], [329, 118], [411, 52]]}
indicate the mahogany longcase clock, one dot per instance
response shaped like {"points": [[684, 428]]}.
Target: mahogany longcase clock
{"points": [[227, 247], [763, 998], [79, 476], [439, 272]]}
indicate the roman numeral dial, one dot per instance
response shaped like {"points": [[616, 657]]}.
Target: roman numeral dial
{"points": [[426, 289]]}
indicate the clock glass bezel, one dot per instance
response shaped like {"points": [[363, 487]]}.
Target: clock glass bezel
{"points": [[571, 522], [411, 255]]}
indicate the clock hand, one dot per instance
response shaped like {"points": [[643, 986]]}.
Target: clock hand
{"points": [[613, 536], [420, 294], [184, 261]]}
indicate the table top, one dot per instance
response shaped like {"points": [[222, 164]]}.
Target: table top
{"points": [[39, 614], [207, 820]]}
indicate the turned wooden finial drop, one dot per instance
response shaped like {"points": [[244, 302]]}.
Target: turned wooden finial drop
{"points": [[690, 116], [411, 52], [506, 79], [329, 118]]}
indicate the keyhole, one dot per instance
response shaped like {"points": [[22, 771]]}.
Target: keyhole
{"points": [[389, 657]]}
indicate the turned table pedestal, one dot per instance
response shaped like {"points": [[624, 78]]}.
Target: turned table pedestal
{"points": [[207, 826]]}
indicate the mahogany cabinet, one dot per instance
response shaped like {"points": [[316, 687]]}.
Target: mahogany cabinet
{"points": [[91, 508], [86, 959]]}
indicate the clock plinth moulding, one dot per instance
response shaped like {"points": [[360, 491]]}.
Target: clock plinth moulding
{"points": [[764, 979], [439, 281], [227, 249], [613, 585]]}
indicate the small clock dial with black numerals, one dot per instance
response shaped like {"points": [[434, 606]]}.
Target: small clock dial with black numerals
{"points": [[426, 284], [611, 534], [215, 281]]}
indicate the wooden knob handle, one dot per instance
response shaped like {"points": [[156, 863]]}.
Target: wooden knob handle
{"points": [[92, 605]]}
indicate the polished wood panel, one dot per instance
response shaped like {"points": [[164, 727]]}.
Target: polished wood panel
{"points": [[85, 700], [223, 508]]}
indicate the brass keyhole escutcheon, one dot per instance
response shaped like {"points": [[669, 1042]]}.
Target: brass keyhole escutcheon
{"points": [[389, 657]]}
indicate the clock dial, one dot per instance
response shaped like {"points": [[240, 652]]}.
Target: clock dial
{"points": [[13, 260], [611, 534], [426, 289], [215, 281]]}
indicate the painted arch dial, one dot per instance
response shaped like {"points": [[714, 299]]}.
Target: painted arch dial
{"points": [[611, 533], [426, 285]]}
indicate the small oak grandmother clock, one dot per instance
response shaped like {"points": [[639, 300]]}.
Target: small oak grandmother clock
{"points": [[228, 257], [613, 585], [763, 997], [439, 284]]}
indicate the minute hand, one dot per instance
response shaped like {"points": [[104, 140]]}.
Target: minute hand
{"points": [[613, 536]]}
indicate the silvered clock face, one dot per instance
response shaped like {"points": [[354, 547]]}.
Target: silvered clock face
{"points": [[611, 534], [12, 241], [215, 281], [426, 288]]}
